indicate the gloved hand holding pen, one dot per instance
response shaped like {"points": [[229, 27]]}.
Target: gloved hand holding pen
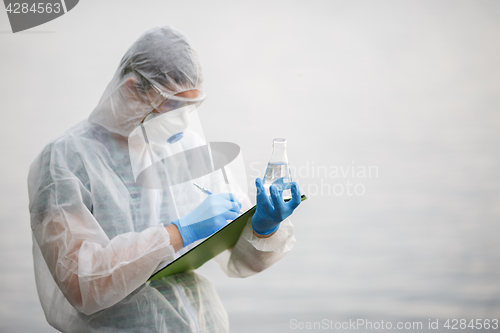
{"points": [[211, 215], [271, 211]]}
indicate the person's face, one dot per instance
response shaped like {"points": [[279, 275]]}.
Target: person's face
{"points": [[173, 104], [170, 104], [189, 94]]}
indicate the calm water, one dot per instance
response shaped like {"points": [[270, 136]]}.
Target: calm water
{"points": [[391, 115]]}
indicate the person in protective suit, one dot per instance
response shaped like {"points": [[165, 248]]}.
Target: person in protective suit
{"points": [[98, 236]]}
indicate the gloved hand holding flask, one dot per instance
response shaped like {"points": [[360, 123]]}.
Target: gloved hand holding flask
{"points": [[271, 210]]}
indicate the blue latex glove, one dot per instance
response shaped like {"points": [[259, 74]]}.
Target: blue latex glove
{"points": [[271, 211], [211, 215]]}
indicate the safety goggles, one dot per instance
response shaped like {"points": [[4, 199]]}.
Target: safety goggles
{"points": [[164, 102]]}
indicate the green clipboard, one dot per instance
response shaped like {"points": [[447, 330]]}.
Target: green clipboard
{"points": [[219, 241]]}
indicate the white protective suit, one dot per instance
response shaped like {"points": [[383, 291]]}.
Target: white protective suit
{"points": [[98, 237]]}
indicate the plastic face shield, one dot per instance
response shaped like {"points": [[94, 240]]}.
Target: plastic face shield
{"points": [[169, 153]]}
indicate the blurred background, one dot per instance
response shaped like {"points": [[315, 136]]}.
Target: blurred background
{"points": [[391, 111]]}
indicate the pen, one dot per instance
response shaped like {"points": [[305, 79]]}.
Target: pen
{"points": [[204, 190]]}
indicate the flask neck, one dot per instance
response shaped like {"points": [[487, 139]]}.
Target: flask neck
{"points": [[279, 152]]}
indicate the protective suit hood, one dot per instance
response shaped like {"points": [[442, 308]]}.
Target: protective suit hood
{"points": [[162, 56]]}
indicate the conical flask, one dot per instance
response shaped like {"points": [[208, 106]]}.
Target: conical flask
{"points": [[278, 171]]}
